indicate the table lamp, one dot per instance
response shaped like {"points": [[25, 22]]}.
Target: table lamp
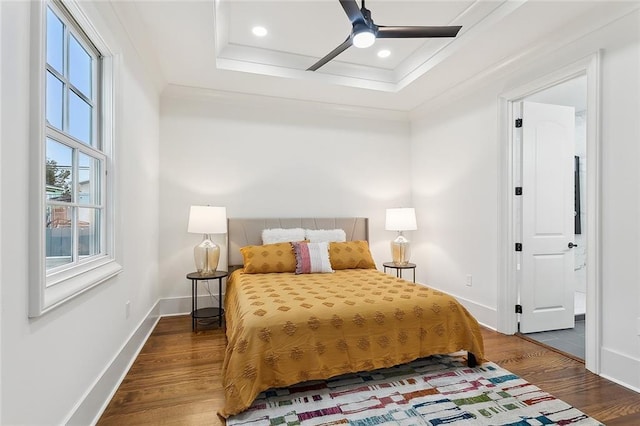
{"points": [[207, 220], [401, 219]]}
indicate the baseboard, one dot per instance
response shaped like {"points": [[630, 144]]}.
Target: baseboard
{"points": [[175, 306], [182, 305], [485, 315], [95, 401], [621, 369]]}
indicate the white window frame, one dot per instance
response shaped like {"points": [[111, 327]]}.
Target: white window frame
{"points": [[50, 289]]}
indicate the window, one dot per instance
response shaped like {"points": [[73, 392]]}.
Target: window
{"points": [[75, 235]]}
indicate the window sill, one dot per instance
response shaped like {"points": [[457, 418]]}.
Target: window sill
{"points": [[63, 287]]}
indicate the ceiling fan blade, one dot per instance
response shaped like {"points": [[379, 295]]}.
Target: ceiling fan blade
{"points": [[352, 10], [417, 32], [335, 52]]}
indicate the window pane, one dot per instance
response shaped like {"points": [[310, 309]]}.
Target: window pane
{"points": [[55, 41], [89, 228], [79, 118], [54, 100], [88, 179], [59, 235], [79, 67], [59, 171]]}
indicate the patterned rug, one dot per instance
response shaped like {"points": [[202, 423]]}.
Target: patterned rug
{"points": [[439, 390]]}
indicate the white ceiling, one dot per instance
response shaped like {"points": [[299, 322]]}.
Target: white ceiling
{"points": [[209, 44]]}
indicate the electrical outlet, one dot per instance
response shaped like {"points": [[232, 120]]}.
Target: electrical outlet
{"points": [[127, 309], [469, 280]]}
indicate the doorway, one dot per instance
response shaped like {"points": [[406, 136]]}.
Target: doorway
{"points": [[587, 269], [554, 312]]}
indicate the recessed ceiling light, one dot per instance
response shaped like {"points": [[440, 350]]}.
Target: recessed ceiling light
{"points": [[259, 31], [384, 53]]}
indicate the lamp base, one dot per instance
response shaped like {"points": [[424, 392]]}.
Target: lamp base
{"points": [[206, 255], [400, 250]]}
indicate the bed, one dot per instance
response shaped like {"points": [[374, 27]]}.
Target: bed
{"points": [[284, 328]]}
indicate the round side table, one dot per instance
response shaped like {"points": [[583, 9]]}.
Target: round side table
{"points": [[210, 312], [400, 268]]}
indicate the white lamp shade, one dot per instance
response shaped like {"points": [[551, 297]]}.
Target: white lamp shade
{"points": [[401, 219], [207, 220]]}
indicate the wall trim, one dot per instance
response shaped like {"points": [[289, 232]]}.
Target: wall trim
{"points": [[181, 305], [485, 315], [129, 18], [174, 91], [93, 403], [617, 365]]}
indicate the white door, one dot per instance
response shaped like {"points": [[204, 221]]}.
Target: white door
{"points": [[547, 271]]}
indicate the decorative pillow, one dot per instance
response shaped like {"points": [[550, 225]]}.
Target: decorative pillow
{"points": [[280, 235], [268, 258], [351, 255], [326, 235], [312, 257]]}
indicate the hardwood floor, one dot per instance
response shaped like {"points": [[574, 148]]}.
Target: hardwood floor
{"points": [[176, 379]]}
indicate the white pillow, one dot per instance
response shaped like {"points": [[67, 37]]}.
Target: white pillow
{"points": [[325, 235], [312, 257], [280, 235]]}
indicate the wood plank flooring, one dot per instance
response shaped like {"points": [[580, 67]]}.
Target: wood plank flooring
{"points": [[176, 379]]}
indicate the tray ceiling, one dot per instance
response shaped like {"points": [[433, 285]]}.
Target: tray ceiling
{"points": [[210, 45]]}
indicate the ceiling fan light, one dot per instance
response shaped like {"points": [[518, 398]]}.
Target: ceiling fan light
{"points": [[259, 31], [364, 39]]}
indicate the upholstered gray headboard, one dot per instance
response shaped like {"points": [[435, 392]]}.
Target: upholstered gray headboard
{"points": [[244, 232]]}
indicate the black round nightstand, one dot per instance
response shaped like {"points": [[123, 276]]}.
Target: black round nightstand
{"points": [[205, 312], [400, 268]]}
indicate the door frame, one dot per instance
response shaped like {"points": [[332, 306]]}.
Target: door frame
{"points": [[507, 232]]}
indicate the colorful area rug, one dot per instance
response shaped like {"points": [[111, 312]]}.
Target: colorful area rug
{"points": [[438, 390]]}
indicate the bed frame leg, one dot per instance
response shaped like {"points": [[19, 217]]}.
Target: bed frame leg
{"points": [[471, 360]]}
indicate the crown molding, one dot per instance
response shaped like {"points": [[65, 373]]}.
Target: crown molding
{"points": [[173, 91]]}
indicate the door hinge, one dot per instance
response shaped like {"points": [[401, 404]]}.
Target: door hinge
{"points": [[518, 190], [518, 246], [518, 309], [518, 122]]}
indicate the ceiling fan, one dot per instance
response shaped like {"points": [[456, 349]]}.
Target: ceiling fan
{"points": [[364, 31]]}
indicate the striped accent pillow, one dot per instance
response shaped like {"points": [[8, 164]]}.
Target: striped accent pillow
{"points": [[312, 257]]}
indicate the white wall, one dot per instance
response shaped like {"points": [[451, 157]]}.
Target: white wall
{"points": [[621, 212], [454, 175], [244, 152], [262, 157], [455, 152], [50, 363]]}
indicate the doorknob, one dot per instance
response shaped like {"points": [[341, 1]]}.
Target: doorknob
{"points": [[571, 245]]}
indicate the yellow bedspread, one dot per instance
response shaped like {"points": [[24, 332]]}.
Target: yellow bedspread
{"points": [[284, 328]]}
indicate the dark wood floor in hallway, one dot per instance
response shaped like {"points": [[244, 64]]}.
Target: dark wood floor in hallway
{"points": [[176, 379]]}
